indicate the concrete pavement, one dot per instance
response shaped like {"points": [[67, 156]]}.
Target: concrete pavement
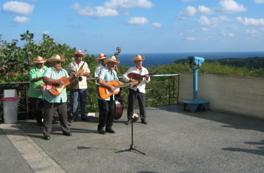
{"points": [[174, 141]]}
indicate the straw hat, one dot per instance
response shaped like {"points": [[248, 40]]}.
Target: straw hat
{"points": [[79, 53], [112, 59], [39, 60], [101, 56], [138, 58], [56, 58]]}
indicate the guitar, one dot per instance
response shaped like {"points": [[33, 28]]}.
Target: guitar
{"points": [[77, 77], [56, 90], [137, 76], [104, 93]]}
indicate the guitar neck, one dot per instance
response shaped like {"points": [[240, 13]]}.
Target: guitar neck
{"points": [[128, 84]]}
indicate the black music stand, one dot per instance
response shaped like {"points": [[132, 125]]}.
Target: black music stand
{"points": [[132, 148]]}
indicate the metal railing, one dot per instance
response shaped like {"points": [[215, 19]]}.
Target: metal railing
{"points": [[162, 90]]}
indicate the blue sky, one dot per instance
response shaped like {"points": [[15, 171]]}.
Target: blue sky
{"points": [[139, 26]]}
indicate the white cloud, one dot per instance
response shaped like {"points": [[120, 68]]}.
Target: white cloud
{"points": [[191, 10], [129, 3], [204, 20], [98, 11], [227, 34], [207, 22], [18, 7], [251, 21], [45, 32], [222, 18], [190, 38], [259, 1], [138, 20], [21, 19], [110, 7], [231, 6], [204, 10], [204, 29], [252, 32], [156, 24]]}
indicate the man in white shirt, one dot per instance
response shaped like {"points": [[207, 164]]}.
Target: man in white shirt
{"points": [[100, 59], [81, 70], [138, 91]]}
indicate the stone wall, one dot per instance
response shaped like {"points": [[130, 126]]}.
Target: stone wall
{"points": [[241, 95]]}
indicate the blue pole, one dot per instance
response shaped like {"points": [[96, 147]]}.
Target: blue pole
{"points": [[195, 83]]}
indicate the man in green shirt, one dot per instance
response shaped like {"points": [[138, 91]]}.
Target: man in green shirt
{"points": [[35, 88]]}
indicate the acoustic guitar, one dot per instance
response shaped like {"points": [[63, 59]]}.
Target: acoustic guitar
{"points": [[104, 93], [56, 90], [78, 77], [137, 76]]}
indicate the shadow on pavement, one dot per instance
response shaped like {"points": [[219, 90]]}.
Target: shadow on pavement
{"points": [[229, 120], [258, 151]]}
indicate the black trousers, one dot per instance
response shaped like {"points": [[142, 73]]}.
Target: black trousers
{"points": [[132, 96], [52, 109], [36, 106], [106, 113]]}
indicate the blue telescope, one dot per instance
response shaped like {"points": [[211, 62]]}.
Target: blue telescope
{"points": [[195, 64], [196, 61]]}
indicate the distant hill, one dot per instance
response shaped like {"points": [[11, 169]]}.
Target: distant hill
{"points": [[249, 63]]}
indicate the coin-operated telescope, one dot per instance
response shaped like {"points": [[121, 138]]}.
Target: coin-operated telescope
{"points": [[195, 64]]}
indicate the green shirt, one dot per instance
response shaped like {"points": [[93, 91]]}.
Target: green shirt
{"points": [[35, 87], [54, 74]]}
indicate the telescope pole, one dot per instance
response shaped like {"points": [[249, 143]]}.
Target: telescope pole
{"points": [[195, 82]]}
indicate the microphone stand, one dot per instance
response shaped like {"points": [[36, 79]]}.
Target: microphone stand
{"points": [[132, 148]]}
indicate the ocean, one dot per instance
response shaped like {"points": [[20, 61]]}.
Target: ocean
{"points": [[155, 59]]}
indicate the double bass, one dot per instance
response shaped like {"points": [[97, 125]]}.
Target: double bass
{"points": [[118, 101]]}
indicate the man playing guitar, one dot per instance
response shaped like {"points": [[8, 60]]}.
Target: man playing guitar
{"points": [[55, 104], [137, 91], [107, 105]]}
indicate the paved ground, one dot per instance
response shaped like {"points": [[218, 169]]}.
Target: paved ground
{"points": [[174, 141]]}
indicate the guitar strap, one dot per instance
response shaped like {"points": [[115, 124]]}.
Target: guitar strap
{"points": [[79, 66]]}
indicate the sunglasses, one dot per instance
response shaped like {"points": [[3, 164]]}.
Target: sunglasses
{"points": [[57, 62]]}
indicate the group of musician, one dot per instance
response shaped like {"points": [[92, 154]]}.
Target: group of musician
{"points": [[45, 106]]}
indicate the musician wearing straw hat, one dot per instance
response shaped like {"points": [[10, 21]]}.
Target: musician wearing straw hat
{"points": [[137, 91], [36, 73], [107, 105], [81, 70], [101, 64], [55, 104]]}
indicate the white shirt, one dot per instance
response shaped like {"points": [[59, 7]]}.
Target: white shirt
{"points": [[98, 70], [142, 85], [74, 67]]}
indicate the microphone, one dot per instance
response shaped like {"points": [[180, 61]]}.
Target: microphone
{"points": [[135, 117]]}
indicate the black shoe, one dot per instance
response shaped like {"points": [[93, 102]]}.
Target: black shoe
{"points": [[83, 118], [144, 122], [110, 130], [40, 123], [66, 133], [101, 131], [46, 137], [127, 122], [55, 122]]}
